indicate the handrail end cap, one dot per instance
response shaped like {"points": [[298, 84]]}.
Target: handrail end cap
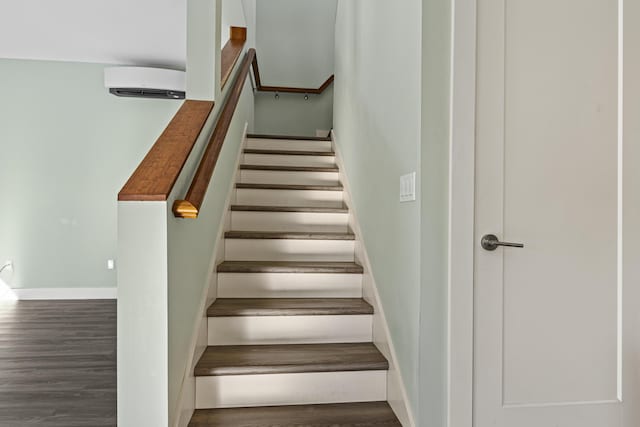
{"points": [[184, 209]]}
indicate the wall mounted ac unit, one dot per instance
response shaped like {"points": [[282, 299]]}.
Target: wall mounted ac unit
{"points": [[145, 82]]}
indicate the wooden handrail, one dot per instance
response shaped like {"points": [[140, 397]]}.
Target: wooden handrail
{"points": [[156, 175], [154, 178], [190, 206], [284, 89], [231, 52]]}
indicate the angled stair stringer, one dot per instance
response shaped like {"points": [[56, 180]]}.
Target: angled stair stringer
{"points": [[199, 338], [396, 391]]}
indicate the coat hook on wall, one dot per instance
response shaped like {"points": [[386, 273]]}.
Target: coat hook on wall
{"points": [[306, 96], [277, 96]]}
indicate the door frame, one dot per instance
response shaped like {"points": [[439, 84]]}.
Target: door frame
{"points": [[461, 213], [460, 286]]}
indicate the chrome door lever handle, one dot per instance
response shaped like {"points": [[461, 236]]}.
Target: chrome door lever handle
{"points": [[491, 242]]}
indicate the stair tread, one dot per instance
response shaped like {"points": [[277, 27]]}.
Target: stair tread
{"points": [[313, 209], [289, 137], [289, 358], [293, 235], [289, 152], [290, 168], [289, 267], [291, 187], [365, 414], [225, 307]]}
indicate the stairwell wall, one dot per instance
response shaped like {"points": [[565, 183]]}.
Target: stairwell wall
{"points": [[377, 120], [164, 278], [295, 44], [435, 212], [192, 248]]}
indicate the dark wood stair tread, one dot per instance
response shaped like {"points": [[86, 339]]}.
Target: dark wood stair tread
{"points": [[289, 152], [290, 168], [289, 358], [290, 187], [312, 209], [365, 414], [291, 235], [225, 307], [289, 267], [289, 137]]}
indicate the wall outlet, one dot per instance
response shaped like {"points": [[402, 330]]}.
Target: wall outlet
{"points": [[111, 264], [408, 187], [7, 266]]}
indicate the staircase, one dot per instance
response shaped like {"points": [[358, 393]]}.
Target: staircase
{"points": [[290, 337]]}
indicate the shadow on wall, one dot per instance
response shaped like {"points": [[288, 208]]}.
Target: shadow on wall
{"points": [[292, 114]]}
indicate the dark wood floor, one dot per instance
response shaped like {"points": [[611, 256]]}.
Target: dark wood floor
{"points": [[58, 363]]}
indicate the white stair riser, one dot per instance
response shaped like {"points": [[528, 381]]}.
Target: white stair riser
{"points": [[288, 160], [289, 221], [288, 177], [283, 144], [261, 197], [288, 250], [256, 330], [289, 285], [228, 391]]}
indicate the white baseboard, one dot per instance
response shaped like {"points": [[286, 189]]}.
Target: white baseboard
{"points": [[396, 390], [65, 293], [186, 403]]}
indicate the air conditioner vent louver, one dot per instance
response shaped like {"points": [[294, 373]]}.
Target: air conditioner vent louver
{"points": [[145, 82], [147, 93]]}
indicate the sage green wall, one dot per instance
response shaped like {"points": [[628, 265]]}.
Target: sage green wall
{"points": [[295, 41], [434, 196], [290, 114], [377, 120], [192, 243], [295, 47], [66, 148]]}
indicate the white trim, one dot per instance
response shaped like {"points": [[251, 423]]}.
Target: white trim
{"points": [[199, 336], [296, 388], [306, 329], [396, 390], [462, 215], [65, 293]]}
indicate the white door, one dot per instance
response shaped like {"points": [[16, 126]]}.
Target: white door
{"points": [[556, 322]]}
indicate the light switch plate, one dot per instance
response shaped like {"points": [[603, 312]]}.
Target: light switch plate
{"points": [[408, 187]]}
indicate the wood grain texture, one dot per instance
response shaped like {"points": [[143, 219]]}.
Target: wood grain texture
{"points": [[289, 358], [312, 209], [290, 168], [58, 363], [290, 187], [231, 52], [200, 182], [156, 175], [288, 307], [289, 152], [289, 137], [229, 57], [285, 89], [293, 235], [238, 33], [367, 414], [289, 267]]}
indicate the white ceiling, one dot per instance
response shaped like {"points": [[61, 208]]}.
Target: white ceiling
{"points": [[295, 37], [131, 32]]}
